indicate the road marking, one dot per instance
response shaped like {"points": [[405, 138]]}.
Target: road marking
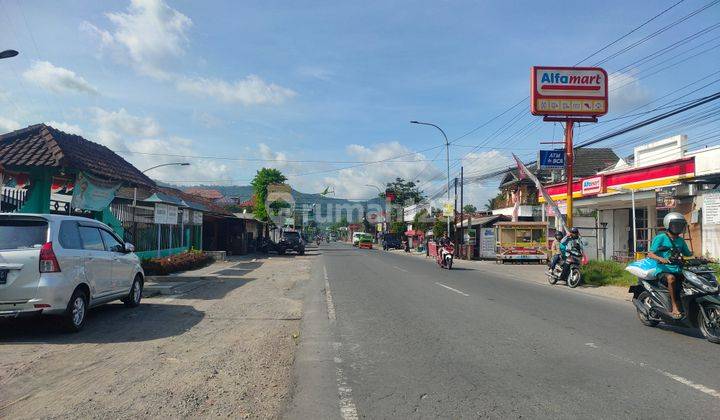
{"points": [[687, 382], [348, 410], [328, 298], [401, 269], [450, 288]]}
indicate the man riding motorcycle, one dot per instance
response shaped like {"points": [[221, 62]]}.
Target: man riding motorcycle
{"points": [[661, 250], [570, 241], [555, 250]]}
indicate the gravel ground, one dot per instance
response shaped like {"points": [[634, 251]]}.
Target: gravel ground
{"points": [[224, 349]]}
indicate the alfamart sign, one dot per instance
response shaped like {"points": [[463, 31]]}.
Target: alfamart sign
{"points": [[569, 91]]}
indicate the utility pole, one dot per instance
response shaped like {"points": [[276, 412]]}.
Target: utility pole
{"points": [[462, 219], [569, 170], [447, 163], [455, 214]]}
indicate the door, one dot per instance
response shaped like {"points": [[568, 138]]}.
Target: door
{"points": [[98, 262], [122, 263]]}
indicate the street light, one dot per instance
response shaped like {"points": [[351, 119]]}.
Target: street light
{"points": [[447, 161], [167, 164], [8, 54]]}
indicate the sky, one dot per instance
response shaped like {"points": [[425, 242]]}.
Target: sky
{"points": [[325, 91]]}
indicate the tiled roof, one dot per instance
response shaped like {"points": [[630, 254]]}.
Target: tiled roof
{"points": [[43, 146], [191, 199], [205, 193]]}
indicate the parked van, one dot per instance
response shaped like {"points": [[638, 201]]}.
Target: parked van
{"points": [[64, 265], [356, 237]]}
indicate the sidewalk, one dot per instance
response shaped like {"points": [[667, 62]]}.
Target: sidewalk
{"points": [[526, 272], [185, 281]]}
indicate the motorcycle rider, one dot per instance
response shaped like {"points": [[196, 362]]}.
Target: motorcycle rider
{"points": [[661, 249], [555, 250], [570, 241]]}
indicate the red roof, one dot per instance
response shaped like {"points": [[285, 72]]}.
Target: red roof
{"points": [[205, 193], [40, 145], [248, 203]]}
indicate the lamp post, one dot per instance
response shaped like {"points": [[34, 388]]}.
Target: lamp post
{"points": [[447, 161], [167, 164]]}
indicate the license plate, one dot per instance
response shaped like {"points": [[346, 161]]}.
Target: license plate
{"points": [[3, 276]]}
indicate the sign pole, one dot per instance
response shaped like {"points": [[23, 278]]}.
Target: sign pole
{"points": [[569, 169]]}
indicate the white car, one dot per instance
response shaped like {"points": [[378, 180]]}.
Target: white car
{"points": [[356, 237], [64, 265]]}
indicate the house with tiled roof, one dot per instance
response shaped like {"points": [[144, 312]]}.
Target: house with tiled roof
{"points": [[206, 193]]}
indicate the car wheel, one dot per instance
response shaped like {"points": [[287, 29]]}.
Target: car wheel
{"points": [[74, 318], [135, 295]]}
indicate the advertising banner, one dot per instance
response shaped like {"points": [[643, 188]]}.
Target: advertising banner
{"points": [[592, 185], [92, 194], [569, 91], [711, 208], [665, 198], [197, 218], [551, 159], [449, 210]]}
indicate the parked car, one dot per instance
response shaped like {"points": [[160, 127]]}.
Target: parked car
{"points": [[64, 265], [356, 237], [291, 241], [391, 242]]}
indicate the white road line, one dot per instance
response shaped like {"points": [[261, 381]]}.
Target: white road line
{"points": [[348, 410], [450, 288], [401, 269], [328, 298], [687, 382]]}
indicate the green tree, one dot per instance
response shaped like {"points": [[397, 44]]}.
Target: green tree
{"points": [[406, 192], [440, 227], [263, 178], [420, 220], [469, 208]]}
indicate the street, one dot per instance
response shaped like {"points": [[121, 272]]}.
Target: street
{"points": [[399, 337]]}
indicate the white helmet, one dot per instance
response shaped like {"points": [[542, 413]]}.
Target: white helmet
{"points": [[675, 223]]}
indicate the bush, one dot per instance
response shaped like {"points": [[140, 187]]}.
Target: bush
{"points": [[174, 263], [604, 273]]}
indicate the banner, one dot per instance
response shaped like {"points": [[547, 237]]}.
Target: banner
{"points": [[525, 172], [92, 194]]}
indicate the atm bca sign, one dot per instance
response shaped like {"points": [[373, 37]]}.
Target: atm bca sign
{"points": [[569, 91]]}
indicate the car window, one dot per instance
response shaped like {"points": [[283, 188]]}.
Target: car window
{"points": [[69, 236], [91, 238], [291, 235], [111, 243], [18, 234]]}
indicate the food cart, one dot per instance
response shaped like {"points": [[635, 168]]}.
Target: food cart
{"points": [[521, 241]]}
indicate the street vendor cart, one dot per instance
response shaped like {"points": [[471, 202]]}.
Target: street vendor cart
{"points": [[521, 242]]}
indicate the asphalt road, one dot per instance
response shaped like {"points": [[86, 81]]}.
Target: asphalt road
{"points": [[397, 337]]}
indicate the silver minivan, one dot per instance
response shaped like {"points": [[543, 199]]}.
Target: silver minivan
{"points": [[64, 265]]}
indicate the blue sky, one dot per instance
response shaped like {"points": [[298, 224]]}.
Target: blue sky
{"points": [[328, 81]]}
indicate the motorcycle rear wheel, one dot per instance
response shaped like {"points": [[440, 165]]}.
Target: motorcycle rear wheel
{"points": [[711, 333], [574, 277], [644, 297]]}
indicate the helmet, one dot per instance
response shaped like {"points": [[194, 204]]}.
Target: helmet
{"points": [[559, 235], [575, 231], [674, 222]]}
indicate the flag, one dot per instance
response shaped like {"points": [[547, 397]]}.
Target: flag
{"points": [[525, 172]]}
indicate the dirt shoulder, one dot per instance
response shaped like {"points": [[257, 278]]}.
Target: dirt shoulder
{"points": [[223, 349]]}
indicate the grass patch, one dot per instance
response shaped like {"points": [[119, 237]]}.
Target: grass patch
{"points": [[716, 268], [604, 273]]}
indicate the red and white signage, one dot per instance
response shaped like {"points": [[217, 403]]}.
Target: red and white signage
{"points": [[569, 91], [592, 185]]}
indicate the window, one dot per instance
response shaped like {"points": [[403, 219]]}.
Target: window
{"points": [[111, 243], [91, 239], [69, 236], [19, 234]]}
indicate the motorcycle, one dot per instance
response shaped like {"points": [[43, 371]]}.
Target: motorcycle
{"points": [[444, 257], [698, 294], [568, 270]]}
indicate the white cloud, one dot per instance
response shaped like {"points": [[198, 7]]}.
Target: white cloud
{"points": [[152, 36], [251, 90], [7, 124], [315, 72], [66, 127], [150, 33], [626, 92], [57, 79], [207, 119], [116, 126], [351, 182]]}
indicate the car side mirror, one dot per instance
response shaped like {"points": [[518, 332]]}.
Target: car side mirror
{"points": [[129, 247]]}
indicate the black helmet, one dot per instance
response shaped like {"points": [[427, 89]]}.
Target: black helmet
{"points": [[575, 231], [675, 223], [559, 235]]}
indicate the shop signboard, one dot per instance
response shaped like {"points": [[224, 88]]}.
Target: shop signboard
{"points": [[665, 198], [172, 215], [186, 216], [448, 210], [487, 242], [569, 91], [197, 217], [711, 208], [165, 214], [592, 185], [551, 159]]}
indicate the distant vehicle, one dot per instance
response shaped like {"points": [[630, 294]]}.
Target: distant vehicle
{"points": [[356, 237], [291, 241], [365, 241], [64, 265], [391, 242]]}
